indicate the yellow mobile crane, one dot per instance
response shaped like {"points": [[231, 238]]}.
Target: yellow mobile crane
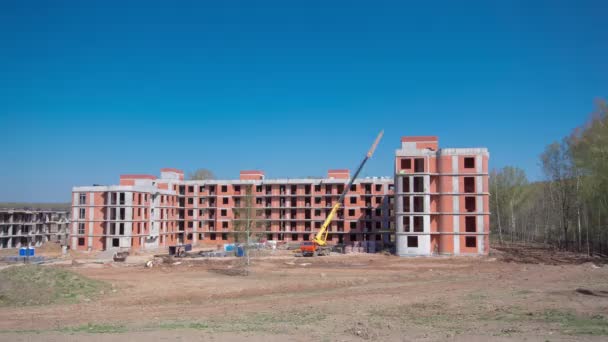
{"points": [[318, 246]]}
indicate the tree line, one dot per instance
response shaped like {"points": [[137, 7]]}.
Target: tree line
{"points": [[569, 208]]}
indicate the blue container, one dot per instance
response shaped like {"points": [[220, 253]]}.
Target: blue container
{"points": [[31, 251], [228, 247], [22, 251], [240, 251]]}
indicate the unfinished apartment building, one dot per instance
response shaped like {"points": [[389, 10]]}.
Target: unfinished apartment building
{"points": [[441, 199], [140, 212], [32, 227], [148, 212]]}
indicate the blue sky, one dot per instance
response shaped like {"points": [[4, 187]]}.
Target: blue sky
{"points": [[93, 89]]}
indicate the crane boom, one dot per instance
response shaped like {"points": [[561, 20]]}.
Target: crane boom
{"points": [[321, 236]]}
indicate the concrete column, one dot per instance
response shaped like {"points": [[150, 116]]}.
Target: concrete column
{"points": [[456, 205], [125, 240], [91, 221], [74, 223], [195, 216]]}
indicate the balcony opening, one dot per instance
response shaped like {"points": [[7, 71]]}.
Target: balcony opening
{"points": [[406, 184], [225, 200], [80, 241], [406, 164], [418, 184], [353, 187], [418, 204], [419, 165], [406, 224], [406, 204], [469, 204], [212, 236], [470, 224], [469, 184], [340, 188], [307, 189], [469, 163], [190, 189], [224, 236], [470, 241], [418, 224], [115, 243], [294, 189], [237, 189], [122, 198], [412, 242], [294, 237]]}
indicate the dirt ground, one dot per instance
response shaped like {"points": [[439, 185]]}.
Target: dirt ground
{"points": [[515, 294]]}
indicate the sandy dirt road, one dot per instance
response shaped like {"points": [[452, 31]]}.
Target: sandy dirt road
{"points": [[336, 298]]}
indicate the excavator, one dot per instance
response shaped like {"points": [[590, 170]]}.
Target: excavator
{"points": [[318, 246]]}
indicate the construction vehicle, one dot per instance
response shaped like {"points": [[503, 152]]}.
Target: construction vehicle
{"points": [[120, 256], [318, 246]]}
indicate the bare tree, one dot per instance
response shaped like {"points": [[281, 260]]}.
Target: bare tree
{"points": [[246, 221], [201, 174]]}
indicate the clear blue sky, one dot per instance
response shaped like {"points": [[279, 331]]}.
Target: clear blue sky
{"points": [[93, 89]]}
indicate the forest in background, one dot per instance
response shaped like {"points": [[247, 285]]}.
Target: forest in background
{"points": [[568, 209]]}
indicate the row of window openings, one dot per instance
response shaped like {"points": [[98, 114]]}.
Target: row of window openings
{"points": [[406, 164], [112, 228], [283, 189], [469, 204], [281, 237], [469, 241], [119, 198], [470, 224], [282, 201], [141, 198], [307, 225], [418, 184], [282, 213]]}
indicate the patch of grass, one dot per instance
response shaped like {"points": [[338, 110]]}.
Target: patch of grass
{"points": [[574, 324], [181, 326], [95, 329], [423, 314], [279, 322], [476, 296], [42, 285]]}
